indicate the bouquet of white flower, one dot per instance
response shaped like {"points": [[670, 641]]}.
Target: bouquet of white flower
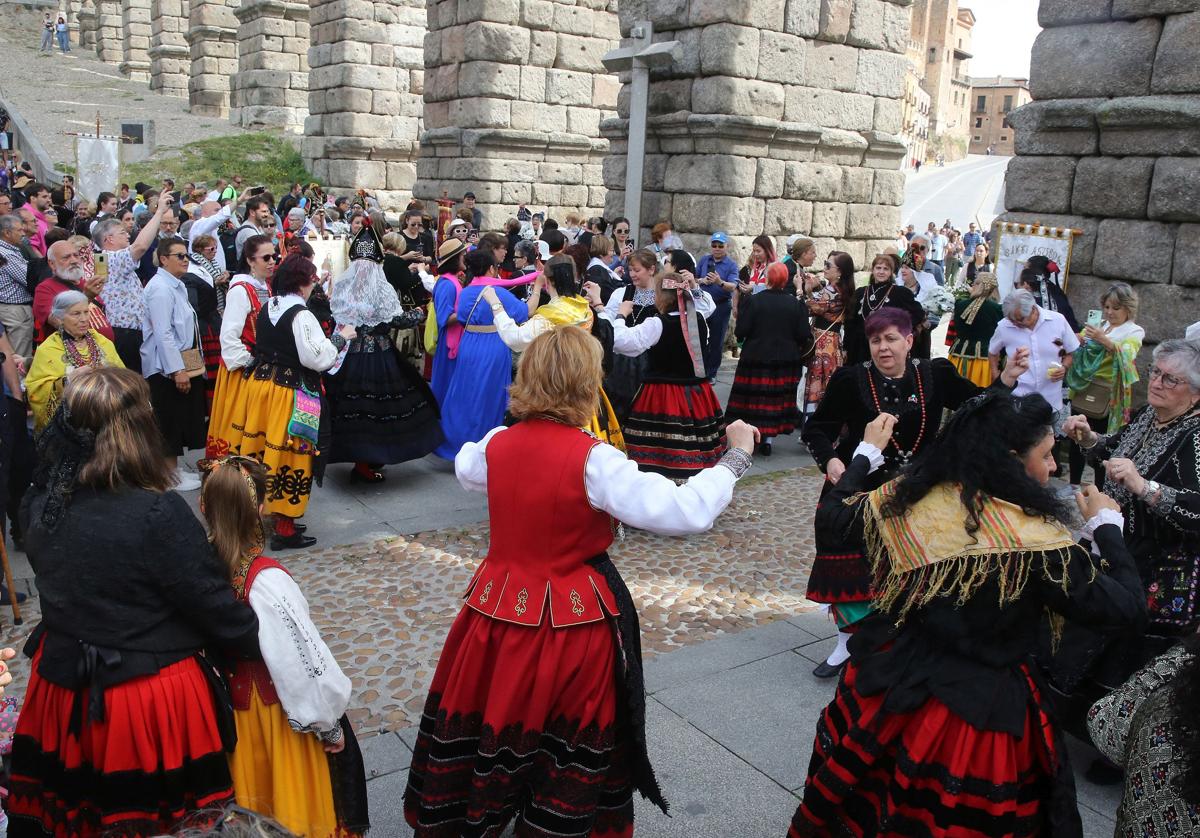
{"points": [[940, 300]]}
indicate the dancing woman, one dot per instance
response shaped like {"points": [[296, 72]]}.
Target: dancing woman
{"points": [[915, 391], [941, 723], [882, 291], [537, 708]]}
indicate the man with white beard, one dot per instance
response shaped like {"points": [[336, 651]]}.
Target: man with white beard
{"points": [[67, 265]]}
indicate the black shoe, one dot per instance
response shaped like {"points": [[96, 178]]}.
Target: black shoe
{"points": [[1103, 773], [764, 448], [827, 670], [300, 527], [296, 541]]}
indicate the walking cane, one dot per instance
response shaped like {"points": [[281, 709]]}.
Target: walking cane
{"points": [[12, 591]]}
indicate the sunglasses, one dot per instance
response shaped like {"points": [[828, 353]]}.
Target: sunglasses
{"points": [[919, 248], [180, 255], [829, 264], [270, 257]]}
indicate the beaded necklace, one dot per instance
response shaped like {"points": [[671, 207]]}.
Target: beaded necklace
{"points": [[867, 297], [904, 455], [75, 358]]}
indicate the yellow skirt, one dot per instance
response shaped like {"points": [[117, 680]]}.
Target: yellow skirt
{"points": [[262, 434], [228, 407], [282, 773], [605, 425], [976, 370]]}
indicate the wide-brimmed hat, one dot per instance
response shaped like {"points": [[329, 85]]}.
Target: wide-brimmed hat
{"points": [[450, 249]]}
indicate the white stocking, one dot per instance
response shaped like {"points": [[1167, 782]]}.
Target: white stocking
{"points": [[840, 653]]}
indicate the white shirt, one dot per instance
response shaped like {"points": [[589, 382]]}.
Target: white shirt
{"points": [[1043, 352], [316, 351], [925, 284], [312, 688], [233, 321], [703, 300], [208, 227], [937, 246], [638, 498]]}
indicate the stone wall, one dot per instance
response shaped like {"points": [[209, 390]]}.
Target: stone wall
{"points": [[135, 39], [365, 85], [782, 117], [1111, 146], [89, 20], [170, 59], [270, 89], [213, 47], [514, 95], [110, 45]]}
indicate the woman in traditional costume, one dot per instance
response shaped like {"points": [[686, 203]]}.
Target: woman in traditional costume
{"points": [[543, 664], [245, 297], [383, 411], [567, 307], [916, 392], [475, 401], [676, 427], [975, 321], [74, 346], [941, 724], [775, 334], [122, 730], [443, 317], [634, 304], [881, 291], [289, 707], [828, 309], [281, 390]]}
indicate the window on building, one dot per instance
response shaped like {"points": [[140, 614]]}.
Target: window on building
{"points": [[981, 103], [979, 122], [1006, 125], [1007, 104], [932, 54], [1004, 138], [978, 138]]}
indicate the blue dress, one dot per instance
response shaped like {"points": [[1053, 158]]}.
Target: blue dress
{"points": [[478, 394], [444, 293]]}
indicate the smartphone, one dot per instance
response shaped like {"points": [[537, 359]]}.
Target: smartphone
{"points": [[1095, 317], [257, 190], [101, 265]]}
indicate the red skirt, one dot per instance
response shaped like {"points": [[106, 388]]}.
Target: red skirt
{"points": [[154, 759], [675, 430], [925, 773], [521, 722]]}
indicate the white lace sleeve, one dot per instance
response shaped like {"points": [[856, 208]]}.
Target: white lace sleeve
{"points": [[312, 688], [652, 502]]}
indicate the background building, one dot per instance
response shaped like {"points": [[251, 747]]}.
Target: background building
{"points": [[992, 100], [915, 126], [938, 53]]}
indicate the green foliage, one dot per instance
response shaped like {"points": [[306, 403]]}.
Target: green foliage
{"points": [[261, 158]]}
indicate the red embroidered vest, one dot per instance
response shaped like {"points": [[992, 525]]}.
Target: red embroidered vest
{"points": [[253, 673], [249, 328], [536, 473]]}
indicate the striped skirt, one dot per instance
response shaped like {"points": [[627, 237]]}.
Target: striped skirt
{"points": [[675, 430]]}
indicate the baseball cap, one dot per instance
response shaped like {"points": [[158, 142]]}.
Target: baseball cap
{"points": [[720, 237], [468, 195]]}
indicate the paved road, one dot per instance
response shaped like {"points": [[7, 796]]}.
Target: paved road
{"points": [[966, 191]]}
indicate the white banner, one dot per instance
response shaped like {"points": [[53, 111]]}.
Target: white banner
{"points": [[1013, 244], [97, 166]]}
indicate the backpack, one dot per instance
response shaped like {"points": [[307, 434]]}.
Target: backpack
{"points": [[228, 241]]}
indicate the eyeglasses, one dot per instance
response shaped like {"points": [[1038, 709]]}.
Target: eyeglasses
{"points": [[718, 245], [620, 231], [180, 255], [1168, 381], [919, 248], [268, 257], [828, 264]]}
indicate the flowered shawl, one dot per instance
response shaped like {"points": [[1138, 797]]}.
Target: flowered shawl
{"points": [[1092, 359], [48, 374]]}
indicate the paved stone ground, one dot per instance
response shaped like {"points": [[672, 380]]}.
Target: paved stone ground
{"points": [[59, 93]]}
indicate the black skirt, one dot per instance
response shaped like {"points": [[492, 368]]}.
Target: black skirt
{"points": [[383, 410], [180, 416]]}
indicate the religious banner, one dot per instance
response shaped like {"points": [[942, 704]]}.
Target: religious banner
{"points": [[97, 165], [1013, 244], [331, 255]]}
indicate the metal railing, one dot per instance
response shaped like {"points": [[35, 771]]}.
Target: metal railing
{"points": [[31, 148]]}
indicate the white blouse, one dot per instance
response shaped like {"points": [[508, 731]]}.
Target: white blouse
{"points": [[316, 351], [233, 321], [614, 484], [311, 686]]}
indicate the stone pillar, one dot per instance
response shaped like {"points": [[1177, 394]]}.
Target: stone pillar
{"points": [[514, 96], [270, 89], [213, 47], [73, 23], [365, 97], [88, 21], [1111, 146], [781, 117], [110, 45], [169, 56], [135, 39]]}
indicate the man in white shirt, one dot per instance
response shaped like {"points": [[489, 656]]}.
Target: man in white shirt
{"points": [[212, 217], [937, 247], [1051, 344]]}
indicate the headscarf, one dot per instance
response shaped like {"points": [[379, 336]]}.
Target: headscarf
{"points": [[688, 319], [990, 284]]}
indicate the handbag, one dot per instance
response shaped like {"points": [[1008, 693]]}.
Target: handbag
{"points": [[193, 359], [1094, 400], [305, 421]]}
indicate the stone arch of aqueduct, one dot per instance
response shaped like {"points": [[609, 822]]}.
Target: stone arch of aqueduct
{"points": [[780, 115]]}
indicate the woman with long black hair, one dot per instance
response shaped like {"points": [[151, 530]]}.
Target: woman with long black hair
{"points": [[881, 291], [940, 725], [828, 307]]}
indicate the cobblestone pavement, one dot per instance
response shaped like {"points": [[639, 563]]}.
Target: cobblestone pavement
{"points": [[58, 93], [385, 606]]}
